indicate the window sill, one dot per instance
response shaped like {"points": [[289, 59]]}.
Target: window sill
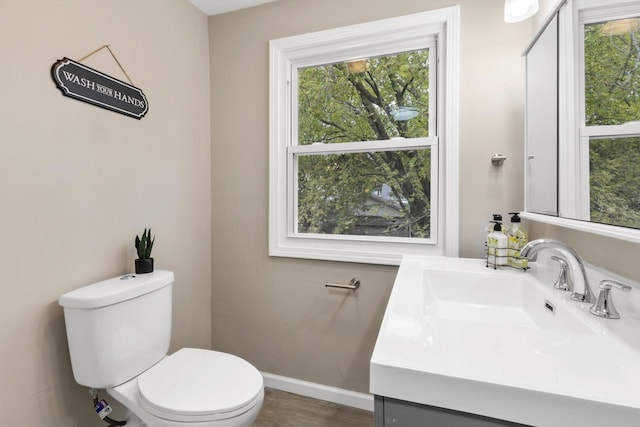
{"points": [[351, 251]]}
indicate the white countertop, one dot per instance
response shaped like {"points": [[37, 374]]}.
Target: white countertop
{"points": [[577, 374]]}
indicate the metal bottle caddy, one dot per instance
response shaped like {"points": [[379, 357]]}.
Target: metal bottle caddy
{"points": [[490, 264]]}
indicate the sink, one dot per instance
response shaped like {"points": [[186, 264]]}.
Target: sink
{"points": [[504, 301], [503, 344]]}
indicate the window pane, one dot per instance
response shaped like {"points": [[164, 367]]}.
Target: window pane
{"points": [[612, 72], [371, 99], [615, 181], [373, 194]]}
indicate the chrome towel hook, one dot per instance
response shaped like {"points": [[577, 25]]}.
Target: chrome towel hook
{"points": [[498, 159]]}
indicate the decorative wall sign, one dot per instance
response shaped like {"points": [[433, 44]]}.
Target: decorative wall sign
{"points": [[78, 81]]}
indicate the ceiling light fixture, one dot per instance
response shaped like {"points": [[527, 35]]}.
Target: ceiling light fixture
{"points": [[519, 10]]}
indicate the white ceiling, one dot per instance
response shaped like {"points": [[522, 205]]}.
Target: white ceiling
{"points": [[215, 7]]}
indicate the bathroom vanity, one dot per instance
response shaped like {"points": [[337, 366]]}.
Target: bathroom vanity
{"points": [[461, 344], [393, 412]]}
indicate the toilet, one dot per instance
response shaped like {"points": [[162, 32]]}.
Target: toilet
{"points": [[119, 332]]}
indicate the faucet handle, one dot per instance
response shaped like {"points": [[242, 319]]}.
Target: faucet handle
{"points": [[562, 282], [604, 307], [608, 284]]}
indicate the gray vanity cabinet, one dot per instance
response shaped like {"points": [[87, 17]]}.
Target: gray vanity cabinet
{"points": [[398, 413]]}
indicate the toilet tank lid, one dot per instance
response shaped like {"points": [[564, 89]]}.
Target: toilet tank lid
{"points": [[116, 290]]}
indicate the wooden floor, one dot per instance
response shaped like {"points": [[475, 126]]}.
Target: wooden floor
{"points": [[282, 409]]}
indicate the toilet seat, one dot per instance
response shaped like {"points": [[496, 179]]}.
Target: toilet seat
{"points": [[200, 385]]}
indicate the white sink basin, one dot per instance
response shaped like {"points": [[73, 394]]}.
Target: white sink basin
{"points": [[501, 300], [502, 344]]}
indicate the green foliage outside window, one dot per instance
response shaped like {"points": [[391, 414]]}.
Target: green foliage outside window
{"points": [[612, 97], [615, 181], [381, 193]]}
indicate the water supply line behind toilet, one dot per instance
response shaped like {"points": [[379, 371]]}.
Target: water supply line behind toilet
{"points": [[103, 409]]}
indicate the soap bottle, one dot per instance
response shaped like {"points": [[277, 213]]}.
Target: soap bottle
{"points": [[489, 228], [517, 238], [497, 246], [496, 217]]}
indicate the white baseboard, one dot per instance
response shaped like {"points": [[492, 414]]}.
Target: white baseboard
{"points": [[319, 391]]}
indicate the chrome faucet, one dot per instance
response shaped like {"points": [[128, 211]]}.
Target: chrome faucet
{"points": [[531, 249]]}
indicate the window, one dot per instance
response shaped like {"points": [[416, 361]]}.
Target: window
{"points": [[363, 141], [363, 187]]}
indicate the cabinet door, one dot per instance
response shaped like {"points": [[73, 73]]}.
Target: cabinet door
{"points": [[398, 413], [542, 122]]}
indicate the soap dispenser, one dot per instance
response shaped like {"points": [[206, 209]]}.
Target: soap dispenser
{"points": [[496, 217], [517, 238], [497, 246], [489, 228]]}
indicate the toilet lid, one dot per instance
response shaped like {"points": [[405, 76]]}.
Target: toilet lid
{"points": [[200, 383]]}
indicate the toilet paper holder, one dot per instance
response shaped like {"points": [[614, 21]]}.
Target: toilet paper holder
{"points": [[352, 285]]}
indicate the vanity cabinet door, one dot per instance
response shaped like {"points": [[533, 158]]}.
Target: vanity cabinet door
{"points": [[398, 413]]}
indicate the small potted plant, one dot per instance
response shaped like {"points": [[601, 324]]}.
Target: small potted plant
{"points": [[144, 244]]}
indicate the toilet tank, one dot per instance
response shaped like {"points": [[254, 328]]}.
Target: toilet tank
{"points": [[118, 328]]}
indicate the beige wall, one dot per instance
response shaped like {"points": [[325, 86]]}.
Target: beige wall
{"points": [[618, 256], [275, 311], [77, 183]]}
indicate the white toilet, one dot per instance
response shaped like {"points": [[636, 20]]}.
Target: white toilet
{"points": [[119, 332]]}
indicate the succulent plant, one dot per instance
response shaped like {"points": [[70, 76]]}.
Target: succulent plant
{"points": [[144, 244]]}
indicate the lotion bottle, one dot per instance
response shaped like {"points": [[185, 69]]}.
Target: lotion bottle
{"points": [[497, 246]]}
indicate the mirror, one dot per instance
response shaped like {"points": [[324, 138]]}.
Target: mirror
{"points": [[542, 122], [583, 115]]}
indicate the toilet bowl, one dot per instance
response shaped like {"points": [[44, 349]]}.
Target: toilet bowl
{"points": [[199, 388], [119, 331]]}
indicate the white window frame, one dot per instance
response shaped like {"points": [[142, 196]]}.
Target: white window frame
{"points": [[401, 34]]}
